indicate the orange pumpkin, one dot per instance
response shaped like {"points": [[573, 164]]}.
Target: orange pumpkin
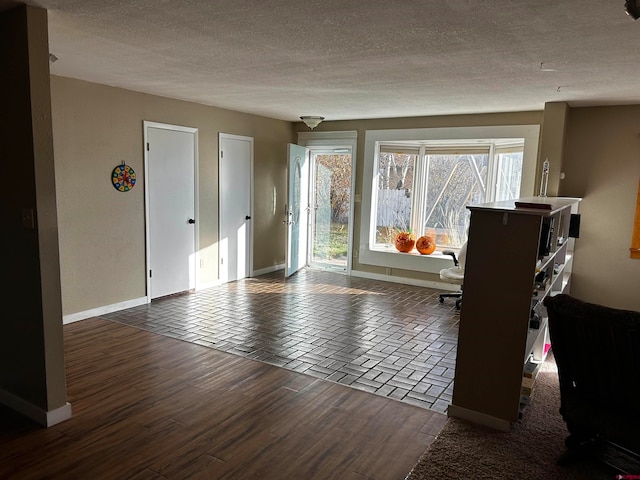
{"points": [[405, 241], [426, 245]]}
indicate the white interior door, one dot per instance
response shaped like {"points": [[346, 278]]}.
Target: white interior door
{"points": [[171, 213], [236, 160], [297, 209]]}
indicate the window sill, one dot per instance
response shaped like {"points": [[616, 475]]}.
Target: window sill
{"points": [[413, 261]]}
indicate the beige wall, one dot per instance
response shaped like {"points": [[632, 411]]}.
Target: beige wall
{"points": [[102, 239], [32, 371], [602, 165]]}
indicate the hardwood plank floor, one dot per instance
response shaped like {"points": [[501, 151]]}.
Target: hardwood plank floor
{"points": [[146, 406]]}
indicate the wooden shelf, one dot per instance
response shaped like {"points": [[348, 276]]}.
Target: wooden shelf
{"points": [[502, 271]]}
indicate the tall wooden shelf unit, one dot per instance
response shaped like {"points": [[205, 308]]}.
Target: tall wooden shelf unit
{"points": [[503, 284]]}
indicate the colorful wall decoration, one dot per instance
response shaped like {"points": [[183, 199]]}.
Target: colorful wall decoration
{"points": [[123, 178]]}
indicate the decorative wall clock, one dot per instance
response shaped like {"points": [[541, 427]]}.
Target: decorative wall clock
{"points": [[123, 178]]}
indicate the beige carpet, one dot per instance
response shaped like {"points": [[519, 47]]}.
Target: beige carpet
{"points": [[530, 451]]}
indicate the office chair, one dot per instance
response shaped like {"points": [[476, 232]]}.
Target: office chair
{"points": [[454, 274]]}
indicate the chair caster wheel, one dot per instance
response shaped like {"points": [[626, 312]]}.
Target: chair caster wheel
{"points": [[441, 300]]}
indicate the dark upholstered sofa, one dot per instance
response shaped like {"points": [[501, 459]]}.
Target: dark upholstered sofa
{"points": [[597, 352]]}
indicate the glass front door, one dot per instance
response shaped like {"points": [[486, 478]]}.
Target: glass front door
{"points": [[331, 199]]}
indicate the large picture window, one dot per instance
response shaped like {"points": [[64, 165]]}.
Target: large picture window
{"points": [[423, 179], [424, 187]]}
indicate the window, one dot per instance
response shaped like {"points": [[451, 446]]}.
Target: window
{"points": [[423, 179], [425, 187]]}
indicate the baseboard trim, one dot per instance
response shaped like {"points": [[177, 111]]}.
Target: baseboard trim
{"points": [[37, 414], [479, 418], [96, 312], [406, 281], [264, 271]]}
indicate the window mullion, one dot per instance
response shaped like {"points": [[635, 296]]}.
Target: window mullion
{"points": [[492, 175], [419, 196]]}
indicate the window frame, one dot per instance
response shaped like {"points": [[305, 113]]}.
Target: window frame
{"points": [[491, 149], [373, 138]]}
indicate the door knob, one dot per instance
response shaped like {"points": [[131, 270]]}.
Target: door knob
{"points": [[191, 220], [248, 217]]}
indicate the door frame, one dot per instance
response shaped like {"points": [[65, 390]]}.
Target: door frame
{"points": [[347, 138], [194, 131], [250, 227]]}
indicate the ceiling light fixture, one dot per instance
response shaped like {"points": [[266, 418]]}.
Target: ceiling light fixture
{"points": [[632, 7], [311, 121]]}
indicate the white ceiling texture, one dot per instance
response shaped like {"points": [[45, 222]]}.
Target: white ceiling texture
{"points": [[347, 59]]}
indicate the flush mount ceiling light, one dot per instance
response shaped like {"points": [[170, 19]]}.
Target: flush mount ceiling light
{"points": [[311, 121], [632, 7]]}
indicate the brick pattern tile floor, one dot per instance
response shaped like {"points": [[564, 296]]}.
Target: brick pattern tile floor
{"points": [[385, 338]]}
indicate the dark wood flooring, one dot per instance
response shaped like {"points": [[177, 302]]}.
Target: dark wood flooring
{"points": [[147, 406]]}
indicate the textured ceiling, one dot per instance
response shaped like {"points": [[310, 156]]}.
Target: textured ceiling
{"points": [[347, 60]]}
